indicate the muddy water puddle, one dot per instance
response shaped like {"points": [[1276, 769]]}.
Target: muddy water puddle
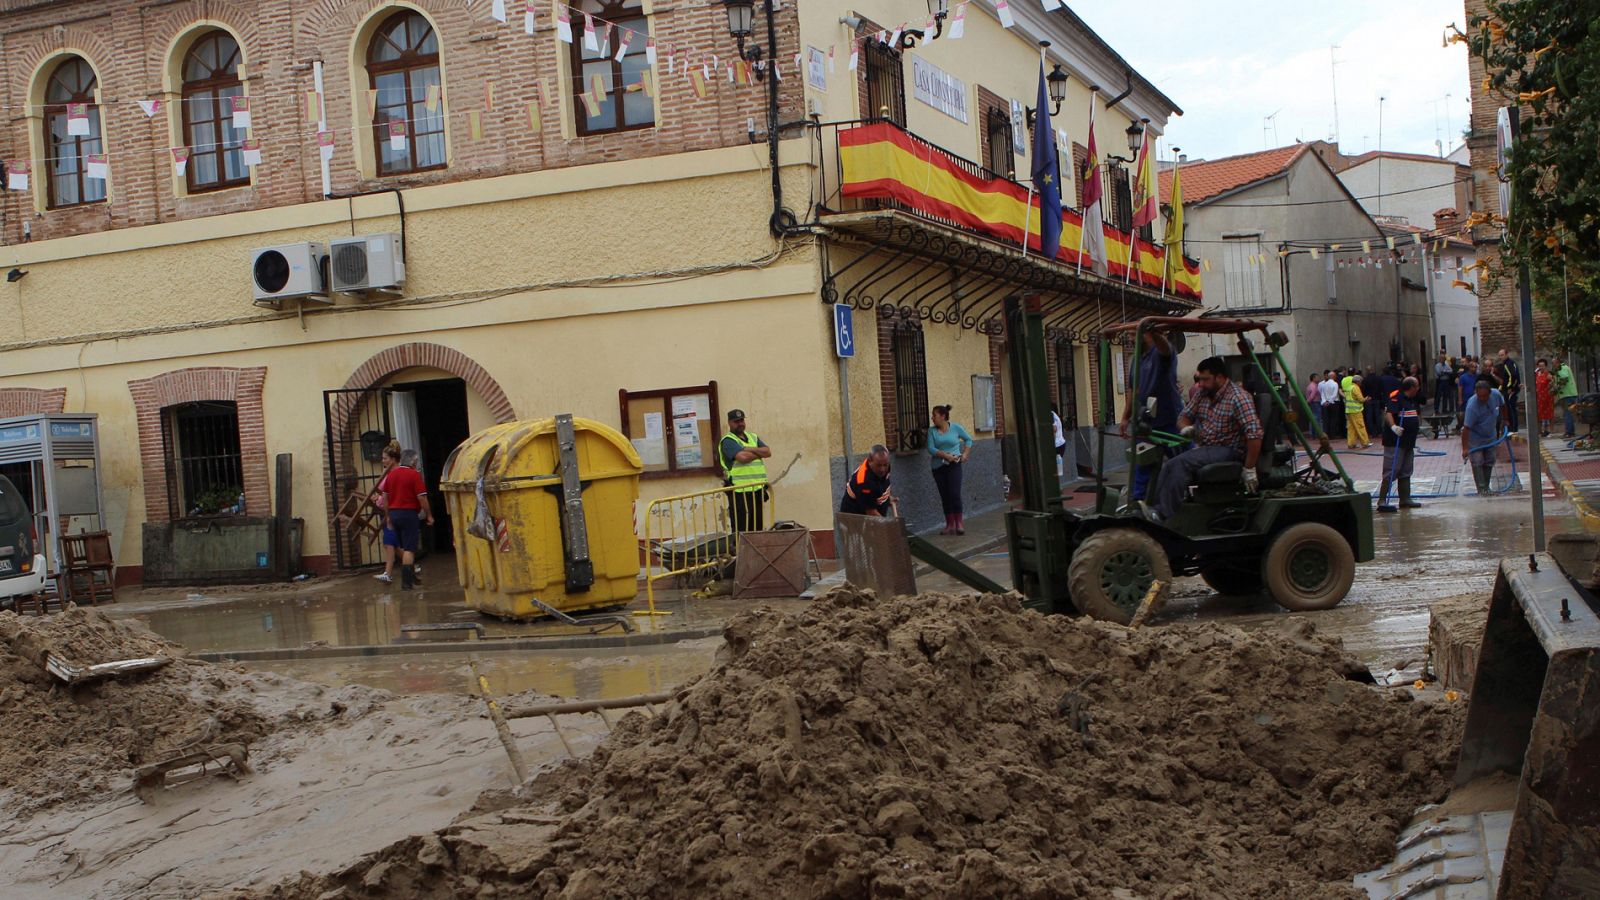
{"points": [[587, 675], [359, 616]]}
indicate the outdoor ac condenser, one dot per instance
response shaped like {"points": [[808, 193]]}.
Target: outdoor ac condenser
{"points": [[287, 272], [369, 262]]}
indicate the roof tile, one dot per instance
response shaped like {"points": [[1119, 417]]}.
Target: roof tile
{"points": [[1204, 180]]}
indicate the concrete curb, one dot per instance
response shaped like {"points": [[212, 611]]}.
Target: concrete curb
{"points": [[1580, 504], [491, 645]]}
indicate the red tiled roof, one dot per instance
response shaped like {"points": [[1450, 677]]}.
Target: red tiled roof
{"points": [[1208, 179]]}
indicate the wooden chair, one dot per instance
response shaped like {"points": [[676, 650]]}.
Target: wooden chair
{"points": [[359, 519], [87, 570]]}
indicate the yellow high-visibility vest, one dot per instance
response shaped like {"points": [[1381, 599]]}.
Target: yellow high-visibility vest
{"points": [[745, 476]]}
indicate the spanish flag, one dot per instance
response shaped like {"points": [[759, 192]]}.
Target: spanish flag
{"points": [[880, 160]]}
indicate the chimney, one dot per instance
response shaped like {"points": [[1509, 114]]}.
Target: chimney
{"points": [[1446, 220], [1183, 158]]}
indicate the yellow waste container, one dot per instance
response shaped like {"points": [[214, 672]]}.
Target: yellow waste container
{"points": [[562, 537]]}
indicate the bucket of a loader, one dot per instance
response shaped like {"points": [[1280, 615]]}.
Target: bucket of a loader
{"points": [[1534, 713], [1524, 817]]}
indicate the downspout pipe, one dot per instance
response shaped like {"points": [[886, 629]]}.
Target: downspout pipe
{"points": [[1127, 75], [782, 220]]}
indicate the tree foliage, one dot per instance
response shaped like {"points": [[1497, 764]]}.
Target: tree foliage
{"points": [[1544, 56]]}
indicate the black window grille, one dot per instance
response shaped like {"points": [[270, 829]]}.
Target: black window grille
{"points": [[886, 83], [1119, 191], [201, 443], [1066, 385], [1001, 157], [910, 386]]}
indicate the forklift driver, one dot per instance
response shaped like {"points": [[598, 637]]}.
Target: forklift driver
{"points": [[1222, 421]]}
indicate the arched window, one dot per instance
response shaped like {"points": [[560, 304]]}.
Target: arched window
{"points": [[210, 79], [608, 104], [69, 107], [403, 64]]}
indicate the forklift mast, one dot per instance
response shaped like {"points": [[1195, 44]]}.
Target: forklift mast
{"points": [[1030, 390], [1039, 533]]}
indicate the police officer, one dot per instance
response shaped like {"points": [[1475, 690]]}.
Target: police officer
{"points": [[743, 457], [1403, 420]]}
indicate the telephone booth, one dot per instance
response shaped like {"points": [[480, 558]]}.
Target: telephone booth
{"points": [[53, 459]]}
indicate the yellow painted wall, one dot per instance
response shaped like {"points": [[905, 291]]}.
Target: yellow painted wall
{"points": [[520, 271]]}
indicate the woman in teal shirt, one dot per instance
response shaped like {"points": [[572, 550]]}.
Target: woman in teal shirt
{"points": [[949, 444]]}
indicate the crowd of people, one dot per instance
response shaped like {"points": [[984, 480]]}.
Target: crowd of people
{"points": [[1352, 400]]}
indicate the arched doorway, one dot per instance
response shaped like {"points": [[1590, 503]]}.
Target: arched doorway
{"points": [[428, 397]]}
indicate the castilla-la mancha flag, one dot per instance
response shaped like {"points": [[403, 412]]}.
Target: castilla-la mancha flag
{"points": [[1092, 236]]}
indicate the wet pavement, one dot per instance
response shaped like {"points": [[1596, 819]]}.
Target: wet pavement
{"points": [[349, 628], [1448, 548]]}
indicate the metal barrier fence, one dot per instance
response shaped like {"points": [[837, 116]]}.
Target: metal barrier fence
{"points": [[696, 533]]}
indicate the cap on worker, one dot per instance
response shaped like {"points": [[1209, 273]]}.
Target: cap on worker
{"points": [[735, 415]]}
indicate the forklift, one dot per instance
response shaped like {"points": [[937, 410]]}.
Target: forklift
{"points": [[1298, 537]]}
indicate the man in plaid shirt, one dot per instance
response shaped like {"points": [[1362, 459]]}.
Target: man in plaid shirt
{"points": [[1222, 421]]}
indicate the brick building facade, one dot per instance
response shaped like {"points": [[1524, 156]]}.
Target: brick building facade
{"points": [[489, 71], [1497, 309]]}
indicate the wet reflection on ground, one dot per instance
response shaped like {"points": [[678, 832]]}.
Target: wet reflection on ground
{"points": [[566, 673]]}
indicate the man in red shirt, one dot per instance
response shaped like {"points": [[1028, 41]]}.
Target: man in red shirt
{"points": [[406, 498]]}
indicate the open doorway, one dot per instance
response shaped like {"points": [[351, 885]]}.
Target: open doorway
{"points": [[431, 417]]}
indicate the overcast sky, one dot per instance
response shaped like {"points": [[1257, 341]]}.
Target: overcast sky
{"points": [[1229, 64]]}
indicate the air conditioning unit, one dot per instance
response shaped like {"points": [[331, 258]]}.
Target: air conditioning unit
{"points": [[369, 262], [288, 272]]}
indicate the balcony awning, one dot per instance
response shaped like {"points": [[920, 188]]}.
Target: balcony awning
{"points": [[899, 263], [881, 162]]}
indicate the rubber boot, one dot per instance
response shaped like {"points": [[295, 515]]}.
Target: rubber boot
{"points": [[1405, 495], [408, 578], [1384, 506]]}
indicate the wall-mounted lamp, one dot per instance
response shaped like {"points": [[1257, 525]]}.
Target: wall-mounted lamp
{"points": [[15, 275], [939, 9], [740, 13], [1056, 81]]}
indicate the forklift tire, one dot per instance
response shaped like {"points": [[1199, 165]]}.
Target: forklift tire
{"points": [[1234, 581], [1112, 571], [1309, 567]]}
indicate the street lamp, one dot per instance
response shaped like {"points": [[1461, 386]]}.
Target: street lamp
{"points": [[1056, 82], [740, 13], [1136, 135]]}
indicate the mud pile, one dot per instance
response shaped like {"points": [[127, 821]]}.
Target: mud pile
{"points": [[61, 742], [961, 747]]}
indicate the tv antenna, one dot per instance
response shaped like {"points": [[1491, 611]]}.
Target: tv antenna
{"points": [[1333, 69], [1270, 123]]}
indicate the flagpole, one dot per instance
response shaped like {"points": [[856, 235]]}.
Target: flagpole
{"points": [[1166, 246], [1027, 215], [1083, 214], [1133, 230]]}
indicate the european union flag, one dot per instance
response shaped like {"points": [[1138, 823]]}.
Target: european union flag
{"points": [[1046, 174]]}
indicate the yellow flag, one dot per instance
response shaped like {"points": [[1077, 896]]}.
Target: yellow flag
{"points": [[313, 107], [699, 83], [430, 100], [372, 104], [1174, 236], [488, 95], [533, 115], [475, 124]]}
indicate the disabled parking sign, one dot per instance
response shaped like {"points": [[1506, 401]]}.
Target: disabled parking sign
{"points": [[844, 331]]}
